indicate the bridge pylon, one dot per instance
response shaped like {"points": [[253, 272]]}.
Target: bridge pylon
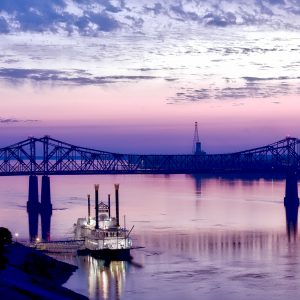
{"points": [[36, 208], [291, 198], [46, 208], [33, 207]]}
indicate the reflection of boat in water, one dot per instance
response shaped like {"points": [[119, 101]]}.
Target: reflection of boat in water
{"points": [[103, 236], [104, 281]]}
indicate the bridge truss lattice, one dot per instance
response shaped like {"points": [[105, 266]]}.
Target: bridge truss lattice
{"points": [[48, 156]]}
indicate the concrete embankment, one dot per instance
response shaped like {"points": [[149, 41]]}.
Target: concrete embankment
{"points": [[30, 274]]}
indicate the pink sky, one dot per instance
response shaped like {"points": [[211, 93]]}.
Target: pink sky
{"points": [[136, 118]]}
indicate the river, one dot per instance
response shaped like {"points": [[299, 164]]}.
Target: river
{"points": [[204, 237]]}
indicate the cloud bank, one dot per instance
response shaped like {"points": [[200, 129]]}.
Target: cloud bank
{"points": [[236, 49], [91, 17], [250, 88]]}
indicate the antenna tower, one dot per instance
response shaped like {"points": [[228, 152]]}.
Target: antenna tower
{"points": [[196, 141]]}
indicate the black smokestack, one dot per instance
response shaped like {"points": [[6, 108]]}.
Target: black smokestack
{"points": [[89, 208], [117, 203], [97, 205], [109, 205]]}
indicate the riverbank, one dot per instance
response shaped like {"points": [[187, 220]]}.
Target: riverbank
{"points": [[30, 274]]}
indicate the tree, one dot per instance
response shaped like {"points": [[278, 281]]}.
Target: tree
{"points": [[5, 239], [5, 236]]}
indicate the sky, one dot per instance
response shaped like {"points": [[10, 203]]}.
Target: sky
{"points": [[133, 76]]}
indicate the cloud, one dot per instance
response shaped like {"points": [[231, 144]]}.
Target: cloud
{"points": [[93, 17], [143, 40], [79, 77], [221, 20], [252, 88], [13, 120], [55, 16], [3, 25], [91, 23], [34, 15], [157, 8], [183, 15], [254, 79], [103, 21], [275, 1]]}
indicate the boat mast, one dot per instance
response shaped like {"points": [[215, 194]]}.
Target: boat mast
{"points": [[97, 205], [117, 204], [109, 205], [89, 208]]}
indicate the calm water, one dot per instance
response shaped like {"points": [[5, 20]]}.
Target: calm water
{"points": [[204, 237]]}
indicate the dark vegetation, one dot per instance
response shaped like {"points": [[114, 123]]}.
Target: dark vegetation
{"points": [[5, 239], [26, 273]]}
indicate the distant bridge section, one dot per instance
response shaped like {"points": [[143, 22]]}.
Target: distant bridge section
{"points": [[48, 156]]}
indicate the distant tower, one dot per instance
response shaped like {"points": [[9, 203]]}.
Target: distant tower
{"points": [[196, 141]]}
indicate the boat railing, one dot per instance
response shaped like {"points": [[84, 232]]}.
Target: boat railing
{"points": [[100, 234]]}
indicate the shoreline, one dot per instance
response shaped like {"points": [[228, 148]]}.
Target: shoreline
{"points": [[31, 274]]}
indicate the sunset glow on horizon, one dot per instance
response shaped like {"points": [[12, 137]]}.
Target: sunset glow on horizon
{"points": [[121, 83]]}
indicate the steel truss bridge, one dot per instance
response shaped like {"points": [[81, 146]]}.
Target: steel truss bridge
{"points": [[48, 156]]}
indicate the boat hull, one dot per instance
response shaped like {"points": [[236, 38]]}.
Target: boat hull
{"points": [[108, 254]]}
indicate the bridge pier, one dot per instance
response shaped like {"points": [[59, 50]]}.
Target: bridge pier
{"points": [[46, 208], [291, 198], [33, 207]]}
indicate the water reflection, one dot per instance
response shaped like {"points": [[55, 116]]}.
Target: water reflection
{"points": [[291, 213], [197, 178], [220, 243], [105, 280]]}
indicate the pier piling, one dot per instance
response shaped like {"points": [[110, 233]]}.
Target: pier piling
{"points": [[33, 207], [46, 208], [291, 198]]}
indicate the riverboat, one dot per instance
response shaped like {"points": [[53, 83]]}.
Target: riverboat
{"points": [[102, 236]]}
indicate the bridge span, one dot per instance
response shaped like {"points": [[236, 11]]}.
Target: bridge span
{"points": [[48, 156]]}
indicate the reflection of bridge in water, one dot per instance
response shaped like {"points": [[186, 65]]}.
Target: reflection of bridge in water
{"points": [[205, 243], [47, 156]]}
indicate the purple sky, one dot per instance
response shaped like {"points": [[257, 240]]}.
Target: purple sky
{"points": [[134, 76]]}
